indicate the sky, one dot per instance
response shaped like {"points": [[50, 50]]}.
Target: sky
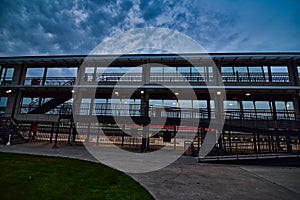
{"points": [[63, 27]]}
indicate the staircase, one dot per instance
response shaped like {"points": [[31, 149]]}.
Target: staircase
{"points": [[49, 105], [11, 129]]}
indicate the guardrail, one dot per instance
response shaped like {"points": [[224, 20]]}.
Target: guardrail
{"points": [[255, 77], [166, 77], [117, 109], [50, 81]]}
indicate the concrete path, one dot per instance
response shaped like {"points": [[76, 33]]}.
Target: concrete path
{"points": [[187, 179]]}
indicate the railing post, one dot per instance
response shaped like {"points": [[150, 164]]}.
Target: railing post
{"points": [[123, 130], [174, 138], [70, 132], [52, 132], [56, 134], [236, 150], [258, 144], [198, 139], [230, 144]]}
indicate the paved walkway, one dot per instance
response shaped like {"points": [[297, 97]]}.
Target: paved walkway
{"points": [[187, 179]]}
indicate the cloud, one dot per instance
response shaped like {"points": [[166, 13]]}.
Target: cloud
{"points": [[54, 27]]}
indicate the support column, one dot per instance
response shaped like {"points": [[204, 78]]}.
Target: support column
{"points": [[14, 97], [174, 138], [81, 74], [254, 143], [220, 141], [230, 145], [241, 109], [292, 71], [198, 139], [70, 132], [202, 135], [274, 146], [219, 109], [277, 145], [56, 133], [145, 106], [274, 110], [74, 133], [296, 101], [88, 132], [270, 74], [208, 109], [269, 143], [44, 76], [144, 114], [258, 143], [52, 132], [123, 132], [216, 72], [224, 142], [289, 144]]}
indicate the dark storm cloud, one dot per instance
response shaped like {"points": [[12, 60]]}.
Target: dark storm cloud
{"points": [[76, 27], [42, 27]]}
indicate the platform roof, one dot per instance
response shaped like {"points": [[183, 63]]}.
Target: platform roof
{"points": [[223, 58]]}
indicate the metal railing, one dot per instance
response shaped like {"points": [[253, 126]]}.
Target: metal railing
{"points": [[154, 77], [57, 81], [255, 77], [166, 77], [117, 109]]}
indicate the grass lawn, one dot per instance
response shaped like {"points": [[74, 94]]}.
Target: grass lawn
{"points": [[41, 177]]}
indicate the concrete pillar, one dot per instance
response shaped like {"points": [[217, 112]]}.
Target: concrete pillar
{"points": [[80, 75], [10, 104], [14, 97], [289, 144], [293, 73], [216, 72], [296, 101]]}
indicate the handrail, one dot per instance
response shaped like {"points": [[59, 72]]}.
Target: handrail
{"points": [[227, 77], [117, 109], [255, 77], [50, 81]]}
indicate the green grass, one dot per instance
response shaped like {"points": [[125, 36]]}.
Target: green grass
{"points": [[41, 177]]}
